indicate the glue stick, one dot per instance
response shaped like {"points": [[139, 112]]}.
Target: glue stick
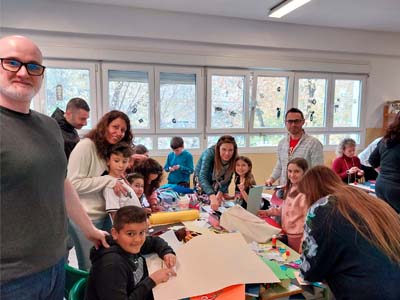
{"points": [[274, 241]]}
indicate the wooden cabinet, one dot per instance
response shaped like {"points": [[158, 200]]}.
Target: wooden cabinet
{"points": [[390, 111]]}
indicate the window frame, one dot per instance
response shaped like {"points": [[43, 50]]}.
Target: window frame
{"points": [[95, 113], [288, 103], [328, 129], [199, 103], [246, 90], [301, 75], [106, 67]]}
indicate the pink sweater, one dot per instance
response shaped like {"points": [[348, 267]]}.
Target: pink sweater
{"points": [[293, 213]]}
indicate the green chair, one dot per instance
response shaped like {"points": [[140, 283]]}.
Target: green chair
{"points": [[78, 290], [72, 276]]}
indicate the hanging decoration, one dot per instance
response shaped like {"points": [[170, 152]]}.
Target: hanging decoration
{"points": [[278, 112], [59, 92]]}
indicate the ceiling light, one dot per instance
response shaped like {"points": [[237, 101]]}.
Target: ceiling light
{"points": [[285, 7]]}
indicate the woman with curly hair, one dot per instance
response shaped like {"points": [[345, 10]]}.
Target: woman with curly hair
{"points": [[351, 239], [386, 157], [152, 172], [86, 166]]}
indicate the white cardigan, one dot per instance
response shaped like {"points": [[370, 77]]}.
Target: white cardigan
{"points": [[84, 170]]}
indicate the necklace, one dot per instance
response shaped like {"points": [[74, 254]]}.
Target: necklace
{"points": [[349, 176], [352, 162]]}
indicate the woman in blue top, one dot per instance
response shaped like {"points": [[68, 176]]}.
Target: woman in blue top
{"points": [[215, 168], [351, 239]]}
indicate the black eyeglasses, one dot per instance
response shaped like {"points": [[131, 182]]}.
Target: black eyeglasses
{"points": [[296, 121], [13, 65]]}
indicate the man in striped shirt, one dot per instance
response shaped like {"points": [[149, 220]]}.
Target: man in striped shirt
{"points": [[296, 144]]}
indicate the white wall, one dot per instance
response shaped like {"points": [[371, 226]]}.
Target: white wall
{"points": [[84, 31]]}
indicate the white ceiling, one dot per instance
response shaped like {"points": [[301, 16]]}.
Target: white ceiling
{"points": [[377, 15]]}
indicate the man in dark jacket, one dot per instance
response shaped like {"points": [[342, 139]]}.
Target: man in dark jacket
{"points": [[120, 272], [75, 117]]}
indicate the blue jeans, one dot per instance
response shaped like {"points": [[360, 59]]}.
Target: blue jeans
{"points": [[44, 285], [83, 245]]}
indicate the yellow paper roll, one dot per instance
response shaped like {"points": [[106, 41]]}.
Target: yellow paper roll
{"points": [[173, 217]]}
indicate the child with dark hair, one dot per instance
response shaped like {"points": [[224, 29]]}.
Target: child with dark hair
{"points": [[139, 152], [152, 172], [120, 271], [117, 162], [179, 163], [136, 181]]}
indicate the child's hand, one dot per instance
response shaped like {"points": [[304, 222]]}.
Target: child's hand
{"points": [[170, 260], [119, 189], [162, 275], [214, 202]]}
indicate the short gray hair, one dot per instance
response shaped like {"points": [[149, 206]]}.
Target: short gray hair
{"points": [[343, 144]]}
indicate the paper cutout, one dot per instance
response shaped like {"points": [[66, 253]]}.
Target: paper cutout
{"points": [[235, 292]]}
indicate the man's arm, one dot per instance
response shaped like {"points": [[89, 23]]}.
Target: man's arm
{"points": [[317, 154], [78, 214]]}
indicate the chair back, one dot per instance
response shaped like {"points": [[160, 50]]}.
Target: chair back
{"points": [[72, 276], [78, 290]]}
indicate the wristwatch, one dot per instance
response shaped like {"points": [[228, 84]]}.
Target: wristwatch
{"points": [[348, 172]]}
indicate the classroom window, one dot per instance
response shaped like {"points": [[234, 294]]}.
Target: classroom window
{"points": [[265, 140], [66, 80], [240, 140], [227, 101], [270, 102], [311, 100], [347, 101], [178, 101], [128, 91], [334, 139], [190, 142], [144, 140]]}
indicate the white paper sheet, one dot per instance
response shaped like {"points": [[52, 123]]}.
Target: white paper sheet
{"points": [[210, 263]]}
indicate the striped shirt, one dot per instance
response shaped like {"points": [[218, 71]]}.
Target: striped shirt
{"points": [[309, 148]]}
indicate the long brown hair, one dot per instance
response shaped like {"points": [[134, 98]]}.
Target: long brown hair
{"points": [[225, 139], [146, 167], [302, 164], [98, 134], [374, 219], [249, 180]]}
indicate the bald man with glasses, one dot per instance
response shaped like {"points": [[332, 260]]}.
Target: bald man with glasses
{"points": [[296, 144], [35, 194]]}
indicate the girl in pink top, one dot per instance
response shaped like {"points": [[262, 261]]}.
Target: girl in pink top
{"points": [[294, 208]]}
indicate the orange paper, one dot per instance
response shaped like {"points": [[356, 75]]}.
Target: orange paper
{"points": [[234, 292]]}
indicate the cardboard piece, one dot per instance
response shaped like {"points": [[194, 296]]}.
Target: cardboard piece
{"points": [[252, 227], [213, 262], [236, 292]]}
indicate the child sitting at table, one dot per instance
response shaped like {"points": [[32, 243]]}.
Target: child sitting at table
{"points": [[117, 162], [244, 179], [294, 208], [120, 271], [347, 165]]}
